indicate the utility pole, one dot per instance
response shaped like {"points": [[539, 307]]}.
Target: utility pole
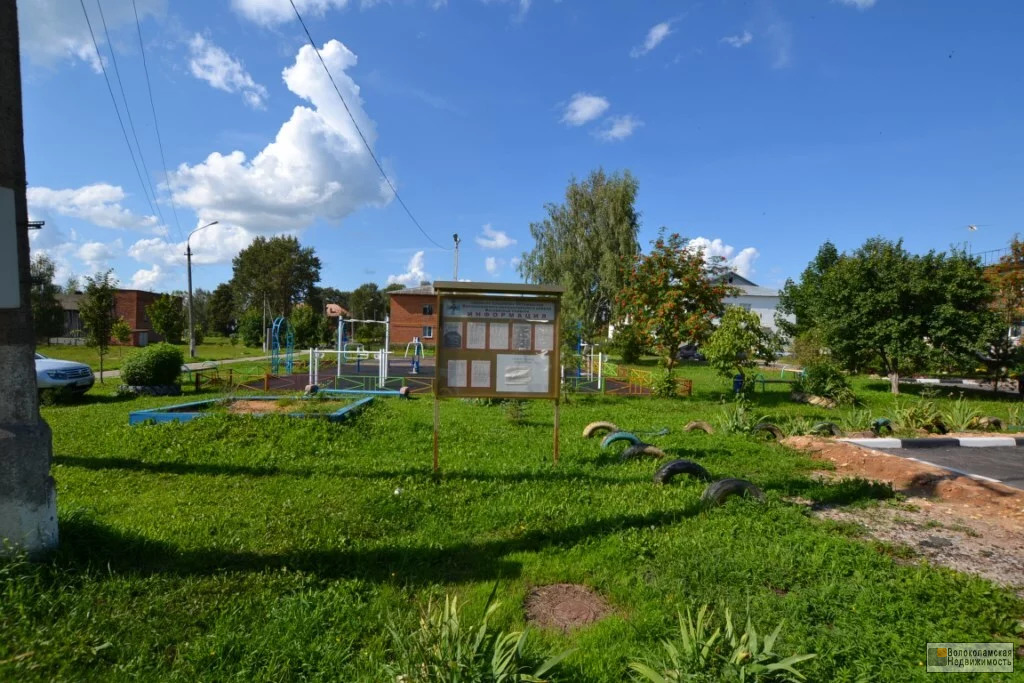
{"points": [[188, 256], [457, 241], [28, 498]]}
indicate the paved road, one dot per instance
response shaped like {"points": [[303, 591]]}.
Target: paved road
{"points": [[1003, 464]]}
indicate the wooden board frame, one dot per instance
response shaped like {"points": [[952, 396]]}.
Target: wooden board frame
{"points": [[502, 292]]}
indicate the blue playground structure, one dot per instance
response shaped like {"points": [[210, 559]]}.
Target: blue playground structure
{"points": [[275, 346]]}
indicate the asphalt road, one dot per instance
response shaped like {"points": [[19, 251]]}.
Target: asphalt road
{"points": [[1003, 464]]}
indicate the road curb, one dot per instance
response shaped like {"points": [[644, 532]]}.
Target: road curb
{"points": [[942, 442]]}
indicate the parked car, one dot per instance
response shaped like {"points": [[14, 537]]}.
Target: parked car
{"points": [[689, 352], [55, 374]]}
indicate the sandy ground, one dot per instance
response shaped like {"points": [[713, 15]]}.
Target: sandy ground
{"points": [[949, 519], [250, 407]]}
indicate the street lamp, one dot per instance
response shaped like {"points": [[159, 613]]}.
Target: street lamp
{"points": [[188, 255]]}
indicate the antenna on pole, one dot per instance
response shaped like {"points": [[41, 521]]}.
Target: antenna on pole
{"points": [[457, 242]]}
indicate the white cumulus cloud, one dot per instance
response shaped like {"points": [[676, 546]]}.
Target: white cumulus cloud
{"points": [[214, 65], [655, 35], [494, 239], [316, 167], [216, 244], [97, 255], [493, 265], [414, 272], [100, 204], [51, 31], [151, 279], [741, 262], [739, 40], [271, 12], [619, 128], [584, 107]]}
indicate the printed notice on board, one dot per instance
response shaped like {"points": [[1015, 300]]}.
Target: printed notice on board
{"points": [[480, 374], [544, 337], [522, 337], [523, 374], [499, 337], [452, 338], [476, 335], [457, 373]]}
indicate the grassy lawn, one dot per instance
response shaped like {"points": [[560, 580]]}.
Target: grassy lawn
{"points": [[212, 348], [279, 549]]}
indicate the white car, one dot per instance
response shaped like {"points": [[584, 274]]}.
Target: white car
{"points": [[54, 374]]}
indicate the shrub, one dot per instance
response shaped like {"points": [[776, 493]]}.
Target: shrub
{"points": [[153, 365], [515, 410], [665, 385], [628, 343], [825, 379]]}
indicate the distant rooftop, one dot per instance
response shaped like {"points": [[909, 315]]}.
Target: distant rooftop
{"points": [[426, 290]]}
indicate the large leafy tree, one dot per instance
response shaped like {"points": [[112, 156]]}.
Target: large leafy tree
{"points": [[167, 316], [739, 341], [673, 295], [277, 270], [368, 302], [581, 245], [96, 310], [221, 310], [309, 326], [47, 314], [1007, 278], [799, 299], [882, 305]]}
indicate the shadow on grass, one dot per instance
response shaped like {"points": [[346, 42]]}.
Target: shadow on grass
{"points": [[87, 544], [90, 463]]}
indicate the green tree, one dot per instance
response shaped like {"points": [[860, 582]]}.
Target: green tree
{"points": [[882, 305], [309, 327], [800, 299], [739, 341], [72, 285], [368, 302], [47, 314], [167, 316], [121, 332], [582, 244], [221, 310], [96, 310], [250, 328], [277, 270], [673, 294]]}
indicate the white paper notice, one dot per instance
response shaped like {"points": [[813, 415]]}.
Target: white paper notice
{"points": [[476, 335], [522, 339], [523, 374], [499, 336], [544, 337], [480, 375], [457, 373]]}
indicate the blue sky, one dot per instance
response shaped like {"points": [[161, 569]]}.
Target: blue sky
{"points": [[760, 127]]}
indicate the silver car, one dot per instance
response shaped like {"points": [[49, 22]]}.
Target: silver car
{"points": [[55, 374]]}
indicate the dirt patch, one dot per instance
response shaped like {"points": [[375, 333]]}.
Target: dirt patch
{"points": [[255, 407], [951, 520], [564, 606]]}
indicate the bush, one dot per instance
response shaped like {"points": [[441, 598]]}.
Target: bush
{"points": [[628, 343], [154, 365], [198, 333], [665, 385], [250, 328], [825, 379]]}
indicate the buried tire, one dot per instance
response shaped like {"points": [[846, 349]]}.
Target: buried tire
{"points": [[880, 425], [698, 424], [619, 436], [595, 428], [641, 449], [669, 470], [718, 492], [826, 428], [768, 428]]}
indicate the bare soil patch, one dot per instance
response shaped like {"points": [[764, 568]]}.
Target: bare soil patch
{"points": [[951, 520], [243, 407], [565, 606]]}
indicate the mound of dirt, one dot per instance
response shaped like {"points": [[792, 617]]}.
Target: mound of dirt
{"points": [[564, 606]]}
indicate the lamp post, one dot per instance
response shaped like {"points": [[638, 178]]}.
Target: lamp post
{"points": [[188, 256]]}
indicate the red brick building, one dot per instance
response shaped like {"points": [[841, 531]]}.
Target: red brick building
{"points": [[129, 304], [413, 314]]}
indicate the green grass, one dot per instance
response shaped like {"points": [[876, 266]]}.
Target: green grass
{"points": [[212, 348], [277, 549]]}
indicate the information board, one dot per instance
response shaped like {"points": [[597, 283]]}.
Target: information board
{"points": [[497, 344]]}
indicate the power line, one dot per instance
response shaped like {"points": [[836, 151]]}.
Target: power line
{"points": [[361, 136], [156, 125], [117, 110], [128, 111]]}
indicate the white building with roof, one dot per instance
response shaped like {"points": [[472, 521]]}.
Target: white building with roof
{"points": [[763, 301]]}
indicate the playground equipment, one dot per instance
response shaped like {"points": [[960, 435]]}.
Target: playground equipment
{"points": [[591, 366], [275, 345], [417, 354]]}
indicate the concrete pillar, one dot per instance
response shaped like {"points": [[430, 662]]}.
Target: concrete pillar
{"points": [[28, 510]]}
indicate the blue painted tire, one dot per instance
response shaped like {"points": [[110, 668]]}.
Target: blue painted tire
{"points": [[619, 436]]}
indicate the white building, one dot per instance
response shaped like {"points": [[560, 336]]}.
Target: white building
{"points": [[760, 300]]}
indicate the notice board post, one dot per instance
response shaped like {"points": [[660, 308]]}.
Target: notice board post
{"points": [[497, 340]]}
